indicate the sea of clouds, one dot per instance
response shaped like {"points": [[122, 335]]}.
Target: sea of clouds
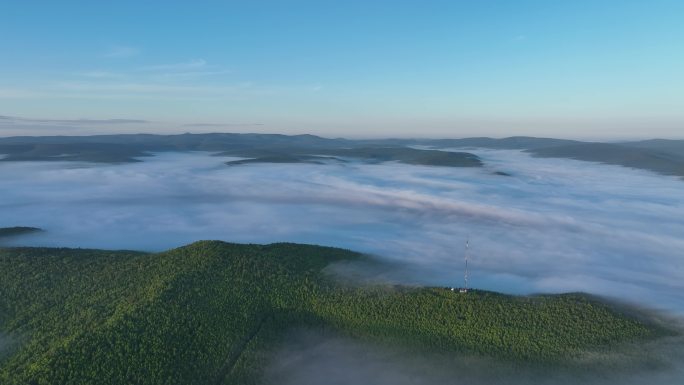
{"points": [[553, 225]]}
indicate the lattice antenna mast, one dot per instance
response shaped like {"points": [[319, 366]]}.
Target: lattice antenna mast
{"points": [[465, 273]]}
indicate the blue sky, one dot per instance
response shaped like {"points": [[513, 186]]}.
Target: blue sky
{"points": [[586, 69]]}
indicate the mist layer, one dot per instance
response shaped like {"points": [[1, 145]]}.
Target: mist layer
{"points": [[310, 358], [553, 225]]}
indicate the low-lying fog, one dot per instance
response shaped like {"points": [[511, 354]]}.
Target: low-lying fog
{"points": [[314, 358], [554, 225]]}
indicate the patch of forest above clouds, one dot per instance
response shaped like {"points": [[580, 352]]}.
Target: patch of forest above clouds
{"points": [[658, 155], [7, 232]]}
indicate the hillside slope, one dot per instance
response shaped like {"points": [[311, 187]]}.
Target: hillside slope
{"points": [[207, 313]]}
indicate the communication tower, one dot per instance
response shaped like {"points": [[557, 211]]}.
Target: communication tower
{"points": [[464, 289]]}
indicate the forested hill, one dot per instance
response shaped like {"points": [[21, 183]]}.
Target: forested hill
{"points": [[209, 313], [658, 155], [6, 232]]}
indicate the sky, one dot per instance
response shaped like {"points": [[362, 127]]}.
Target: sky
{"points": [[603, 69]]}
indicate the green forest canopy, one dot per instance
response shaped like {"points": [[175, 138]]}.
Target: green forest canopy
{"points": [[210, 311]]}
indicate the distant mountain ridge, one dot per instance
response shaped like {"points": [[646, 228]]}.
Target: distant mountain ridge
{"points": [[659, 155], [656, 159]]}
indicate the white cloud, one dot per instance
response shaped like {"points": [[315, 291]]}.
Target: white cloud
{"points": [[21, 93], [195, 68], [193, 64], [19, 120], [121, 51], [157, 87], [100, 74]]}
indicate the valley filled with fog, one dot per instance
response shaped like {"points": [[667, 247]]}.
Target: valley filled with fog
{"points": [[550, 225], [350, 192]]}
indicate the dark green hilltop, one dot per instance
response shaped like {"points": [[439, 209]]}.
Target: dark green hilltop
{"points": [[211, 312], [406, 155], [6, 232]]}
